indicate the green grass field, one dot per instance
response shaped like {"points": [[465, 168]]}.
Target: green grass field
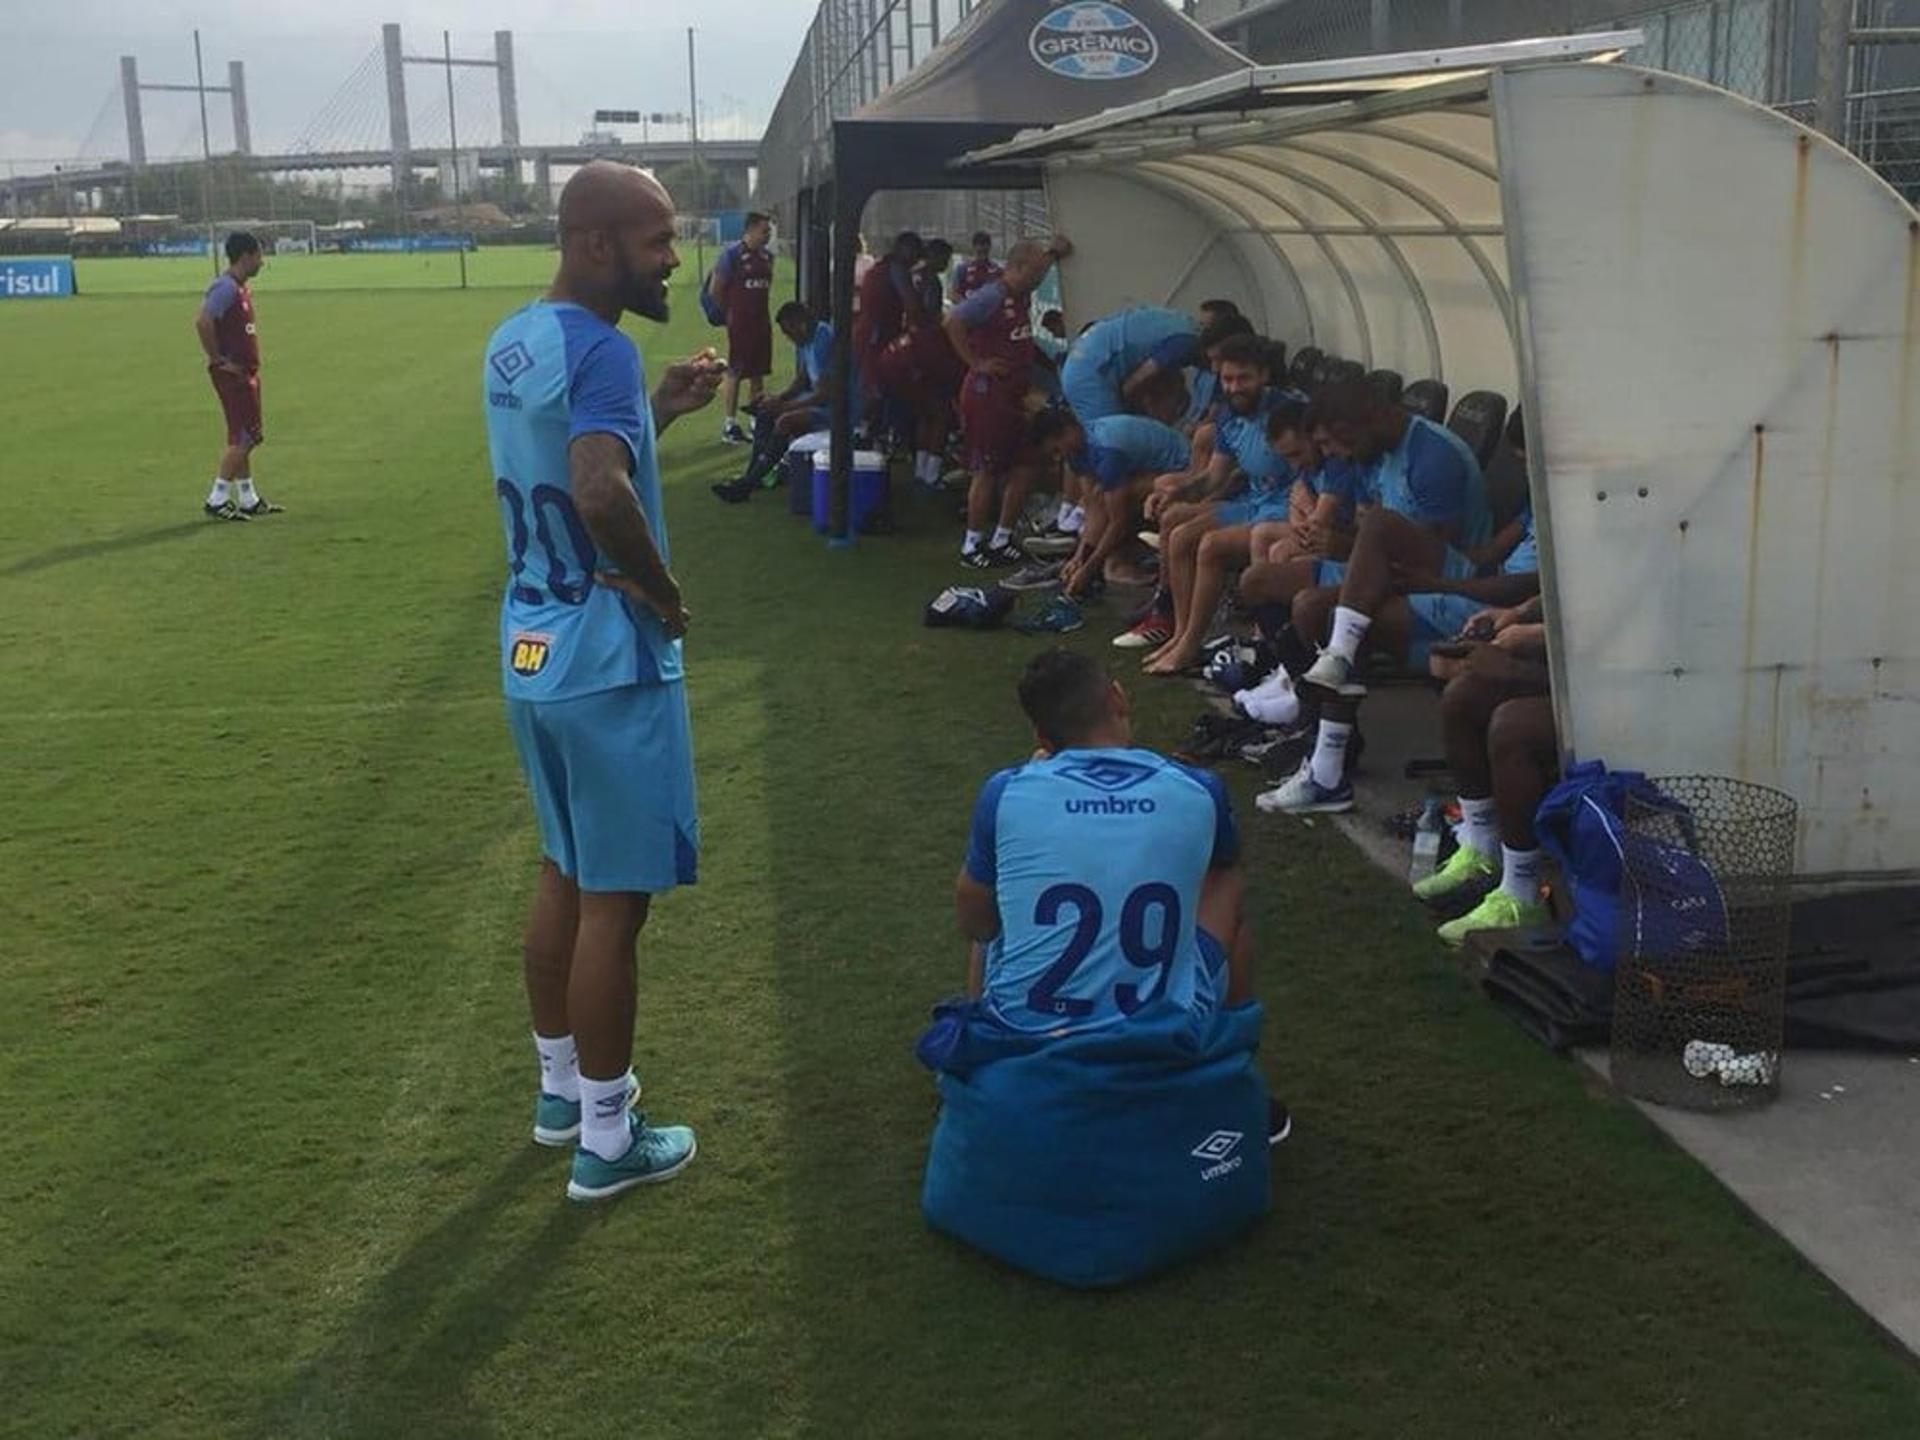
{"points": [[522, 266], [266, 853]]}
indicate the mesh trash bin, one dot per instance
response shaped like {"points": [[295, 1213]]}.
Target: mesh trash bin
{"points": [[1700, 988]]}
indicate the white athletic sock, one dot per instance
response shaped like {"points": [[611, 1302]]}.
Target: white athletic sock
{"points": [[1480, 826], [219, 494], [1002, 537], [1520, 874], [1073, 520], [971, 543], [926, 467], [559, 1065], [1349, 629], [1330, 753], [243, 490], [1066, 510], [603, 1116]]}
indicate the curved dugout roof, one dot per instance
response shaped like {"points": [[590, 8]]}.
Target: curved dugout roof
{"points": [[1712, 316]]}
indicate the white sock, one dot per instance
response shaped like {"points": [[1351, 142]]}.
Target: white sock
{"points": [[971, 543], [219, 494], [1480, 826], [243, 490], [1349, 629], [559, 1065], [1066, 513], [1520, 874], [603, 1116], [926, 467], [1073, 519], [1330, 753], [1002, 537]]}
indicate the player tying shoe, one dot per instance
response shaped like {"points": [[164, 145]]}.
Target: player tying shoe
{"points": [[590, 640], [798, 410], [1115, 356], [226, 329]]}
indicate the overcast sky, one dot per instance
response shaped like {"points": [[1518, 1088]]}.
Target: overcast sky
{"points": [[59, 66]]}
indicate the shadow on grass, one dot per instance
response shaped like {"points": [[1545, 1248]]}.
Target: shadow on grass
{"points": [[106, 545], [432, 1319]]}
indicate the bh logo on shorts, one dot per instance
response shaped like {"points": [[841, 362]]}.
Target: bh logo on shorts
{"points": [[1218, 1151], [1092, 40]]}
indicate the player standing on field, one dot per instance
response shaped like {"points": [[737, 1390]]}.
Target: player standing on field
{"points": [[590, 655], [225, 328], [742, 281]]}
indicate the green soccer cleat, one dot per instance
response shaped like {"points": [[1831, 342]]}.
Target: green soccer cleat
{"points": [[654, 1155], [1464, 867], [1499, 911], [556, 1122]]}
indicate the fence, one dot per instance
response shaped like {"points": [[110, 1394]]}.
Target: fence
{"points": [[1767, 50]]}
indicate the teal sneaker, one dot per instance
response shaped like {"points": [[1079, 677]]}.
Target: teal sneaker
{"points": [[556, 1122], [655, 1154]]}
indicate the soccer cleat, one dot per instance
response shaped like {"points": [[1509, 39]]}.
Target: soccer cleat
{"points": [[1279, 1123], [557, 1121], [1465, 867], [653, 1155], [1058, 616], [1499, 911], [261, 506], [733, 492], [225, 510], [1148, 634], [988, 557], [732, 434], [1040, 575], [1304, 795], [1331, 672]]}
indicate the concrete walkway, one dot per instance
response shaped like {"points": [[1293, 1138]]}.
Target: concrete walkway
{"points": [[1833, 1165]]}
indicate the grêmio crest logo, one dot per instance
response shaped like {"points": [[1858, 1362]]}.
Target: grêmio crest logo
{"points": [[1093, 40]]}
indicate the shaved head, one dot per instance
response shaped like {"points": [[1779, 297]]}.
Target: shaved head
{"points": [[605, 195], [1026, 265], [616, 239]]}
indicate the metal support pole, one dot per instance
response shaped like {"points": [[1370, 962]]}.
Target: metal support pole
{"points": [[699, 178], [130, 98], [509, 101], [453, 152], [399, 138], [237, 93], [1382, 26], [1830, 69], [206, 153]]}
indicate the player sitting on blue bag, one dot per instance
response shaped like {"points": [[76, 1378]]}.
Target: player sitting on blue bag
{"points": [[1102, 1112]]}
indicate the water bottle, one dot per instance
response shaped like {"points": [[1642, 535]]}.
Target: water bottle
{"points": [[1426, 841]]}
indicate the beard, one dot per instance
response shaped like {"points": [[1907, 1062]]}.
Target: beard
{"points": [[647, 298], [644, 295], [1244, 402]]}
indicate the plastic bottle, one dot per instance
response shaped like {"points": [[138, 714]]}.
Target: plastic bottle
{"points": [[1426, 841]]}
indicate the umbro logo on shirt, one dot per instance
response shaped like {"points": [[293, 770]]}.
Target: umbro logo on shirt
{"points": [[510, 362], [1109, 775]]}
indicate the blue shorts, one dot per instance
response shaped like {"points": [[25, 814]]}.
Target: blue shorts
{"points": [[1437, 618], [1091, 393], [1249, 510], [1455, 567], [612, 781]]}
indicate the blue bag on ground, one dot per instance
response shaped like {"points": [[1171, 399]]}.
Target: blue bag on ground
{"points": [[1677, 907], [1101, 1157]]}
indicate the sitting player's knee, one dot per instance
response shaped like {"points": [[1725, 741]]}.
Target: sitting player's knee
{"points": [[1467, 703]]}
